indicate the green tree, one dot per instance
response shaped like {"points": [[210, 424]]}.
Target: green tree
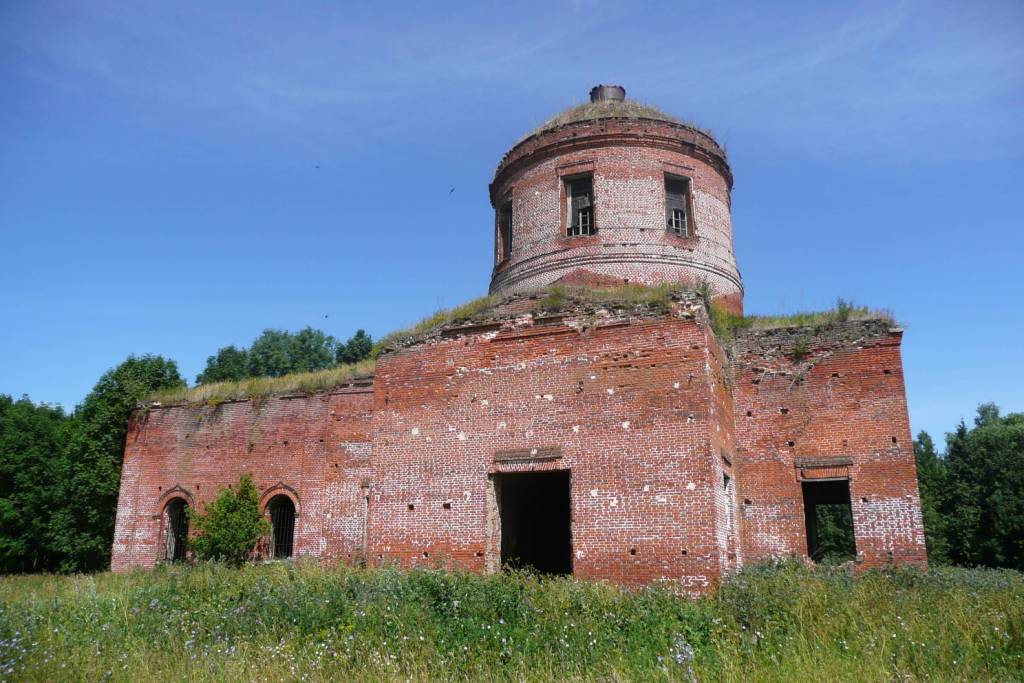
{"points": [[31, 438], [358, 347], [836, 540], [312, 350], [229, 365], [230, 526], [932, 482], [984, 503], [87, 476], [277, 352]]}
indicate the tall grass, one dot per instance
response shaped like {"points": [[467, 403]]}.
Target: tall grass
{"points": [[296, 622]]}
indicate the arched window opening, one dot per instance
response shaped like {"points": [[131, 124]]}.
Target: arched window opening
{"points": [[282, 526], [175, 530]]}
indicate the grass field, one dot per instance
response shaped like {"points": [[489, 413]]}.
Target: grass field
{"points": [[294, 622]]}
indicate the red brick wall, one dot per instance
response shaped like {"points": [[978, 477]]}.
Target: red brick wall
{"points": [[649, 414], [316, 449], [844, 399], [629, 408]]}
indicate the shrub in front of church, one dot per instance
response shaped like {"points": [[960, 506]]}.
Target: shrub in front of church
{"points": [[230, 527]]}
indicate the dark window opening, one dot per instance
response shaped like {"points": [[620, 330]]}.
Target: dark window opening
{"points": [[282, 527], [677, 215], [535, 514], [579, 193], [505, 230], [829, 520], [176, 530]]}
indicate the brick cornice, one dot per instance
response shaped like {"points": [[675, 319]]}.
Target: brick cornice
{"points": [[611, 133]]}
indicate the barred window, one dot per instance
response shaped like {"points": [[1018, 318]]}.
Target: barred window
{"points": [[677, 192], [175, 530], [505, 228], [282, 527], [579, 195]]}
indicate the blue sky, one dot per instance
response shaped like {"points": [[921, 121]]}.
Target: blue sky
{"points": [[177, 177]]}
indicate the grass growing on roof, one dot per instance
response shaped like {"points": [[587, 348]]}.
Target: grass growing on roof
{"points": [[610, 109], [442, 317], [261, 387], [726, 324], [655, 296]]}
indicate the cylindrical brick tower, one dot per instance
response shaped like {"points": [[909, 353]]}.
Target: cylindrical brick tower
{"points": [[610, 192]]}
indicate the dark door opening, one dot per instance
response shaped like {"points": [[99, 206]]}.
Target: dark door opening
{"points": [[829, 520], [282, 527], [536, 520], [176, 530]]}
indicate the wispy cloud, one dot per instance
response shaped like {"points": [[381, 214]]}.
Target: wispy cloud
{"points": [[818, 77]]}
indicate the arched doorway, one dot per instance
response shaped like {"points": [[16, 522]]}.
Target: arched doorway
{"points": [[175, 530], [282, 526]]}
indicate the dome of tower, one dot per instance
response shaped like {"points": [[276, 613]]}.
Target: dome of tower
{"points": [[614, 191]]}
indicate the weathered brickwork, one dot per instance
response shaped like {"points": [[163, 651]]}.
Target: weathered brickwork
{"points": [[626, 409], [628, 161], [681, 456], [313, 449], [831, 394]]}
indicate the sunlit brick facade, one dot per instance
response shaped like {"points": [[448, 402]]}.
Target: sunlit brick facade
{"points": [[624, 442]]}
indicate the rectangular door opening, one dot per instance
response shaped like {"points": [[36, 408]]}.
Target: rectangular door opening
{"points": [[829, 520], [535, 520]]}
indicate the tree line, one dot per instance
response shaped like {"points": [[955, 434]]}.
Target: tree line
{"points": [[972, 498], [60, 473]]}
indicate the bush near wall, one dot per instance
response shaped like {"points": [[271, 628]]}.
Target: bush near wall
{"points": [[293, 622]]}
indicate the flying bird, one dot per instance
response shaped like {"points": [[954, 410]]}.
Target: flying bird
{"points": [[451, 190]]}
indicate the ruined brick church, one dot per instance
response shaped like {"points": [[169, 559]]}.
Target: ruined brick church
{"points": [[621, 441]]}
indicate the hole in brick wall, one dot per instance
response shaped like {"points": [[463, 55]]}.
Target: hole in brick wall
{"points": [[321, 440], [791, 443], [632, 551], [886, 372], [845, 442], [198, 487], [380, 557], [478, 554], [176, 530], [535, 520], [159, 488], [425, 554], [835, 374], [784, 411], [750, 413], [446, 506], [684, 552], [828, 519], [286, 442], [411, 506], [282, 526], [894, 439], [864, 499], [747, 501]]}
